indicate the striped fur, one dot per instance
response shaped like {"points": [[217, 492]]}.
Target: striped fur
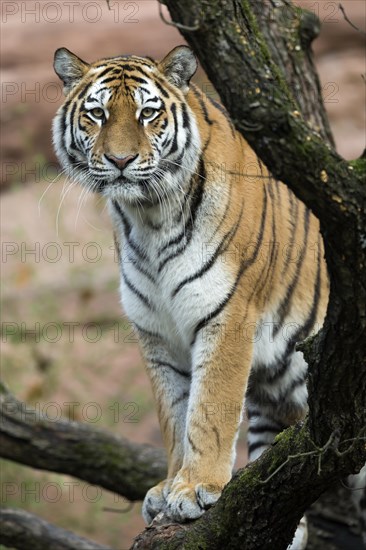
{"points": [[222, 268]]}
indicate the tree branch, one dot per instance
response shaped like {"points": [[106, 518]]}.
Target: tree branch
{"points": [[90, 454], [22, 530], [237, 520], [236, 56]]}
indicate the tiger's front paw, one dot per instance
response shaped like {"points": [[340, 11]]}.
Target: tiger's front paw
{"points": [[154, 501], [188, 501]]}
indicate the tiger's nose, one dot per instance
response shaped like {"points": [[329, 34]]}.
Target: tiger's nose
{"points": [[120, 162]]}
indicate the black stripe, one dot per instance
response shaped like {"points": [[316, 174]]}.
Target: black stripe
{"points": [[222, 247], [255, 445], [181, 398], [283, 401], [164, 124], [181, 373], [133, 68], [62, 122], [269, 374], [186, 197], [174, 146], [110, 70], [84, 91], [137, 79], [195, 449], [251, 413], [223, 111], [285, 304], [156, 99], [263, 373], [195, 204], [265, 428], [202, 105], [271, 259], [294, 209], [137, 293], [166, 365], [304, 330], [142, 89], [72, 115], [161, 89], [274, 252], [224, 216], [127, 230], [204, 148], [244, 265], [217, 435], [106, 80], [185, 116], [171, 242], [142, 269]]}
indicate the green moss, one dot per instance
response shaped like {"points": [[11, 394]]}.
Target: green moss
{"points": [[358, 166], [266, 55]]}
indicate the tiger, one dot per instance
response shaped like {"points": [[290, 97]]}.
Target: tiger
{"points": [[222, 268]]}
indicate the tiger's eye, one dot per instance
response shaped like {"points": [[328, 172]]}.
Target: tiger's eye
{"points": [[97, 112], [147, 112]]}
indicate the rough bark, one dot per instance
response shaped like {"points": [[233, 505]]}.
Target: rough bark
{"points": [[92, 455], [23, 531]]}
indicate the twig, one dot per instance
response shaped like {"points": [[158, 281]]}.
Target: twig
{"points": [[180, 26], [349, 21], [351, 447], [332, 443]]}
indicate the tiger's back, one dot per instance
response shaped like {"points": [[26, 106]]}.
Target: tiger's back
{"points": [[222, 268]]}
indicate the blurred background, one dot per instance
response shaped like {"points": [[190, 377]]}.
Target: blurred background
{"points": [[66, 347]]}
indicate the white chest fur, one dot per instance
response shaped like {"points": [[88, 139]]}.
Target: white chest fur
{"points": [[169, 289]]}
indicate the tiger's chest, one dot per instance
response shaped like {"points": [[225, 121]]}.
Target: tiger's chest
{"points": [[169, 288]]}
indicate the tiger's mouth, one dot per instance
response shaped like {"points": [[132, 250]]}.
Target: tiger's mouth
{"points": [[132, 192]]}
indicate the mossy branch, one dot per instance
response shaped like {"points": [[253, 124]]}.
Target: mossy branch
{"points": [[22, 530], [237, 521], [73, 448]]}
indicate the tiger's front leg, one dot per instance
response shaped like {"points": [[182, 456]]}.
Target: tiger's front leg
{"points": [[220, 370], [170, 384]]}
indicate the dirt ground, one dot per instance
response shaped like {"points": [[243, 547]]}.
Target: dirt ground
{"points": [[66, 347]]}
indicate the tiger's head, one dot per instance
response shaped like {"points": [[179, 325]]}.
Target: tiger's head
{"points": [[126, 129]]}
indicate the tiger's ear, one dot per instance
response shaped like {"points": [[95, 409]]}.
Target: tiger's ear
{"points": [[179, 66], [69, 67]]}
